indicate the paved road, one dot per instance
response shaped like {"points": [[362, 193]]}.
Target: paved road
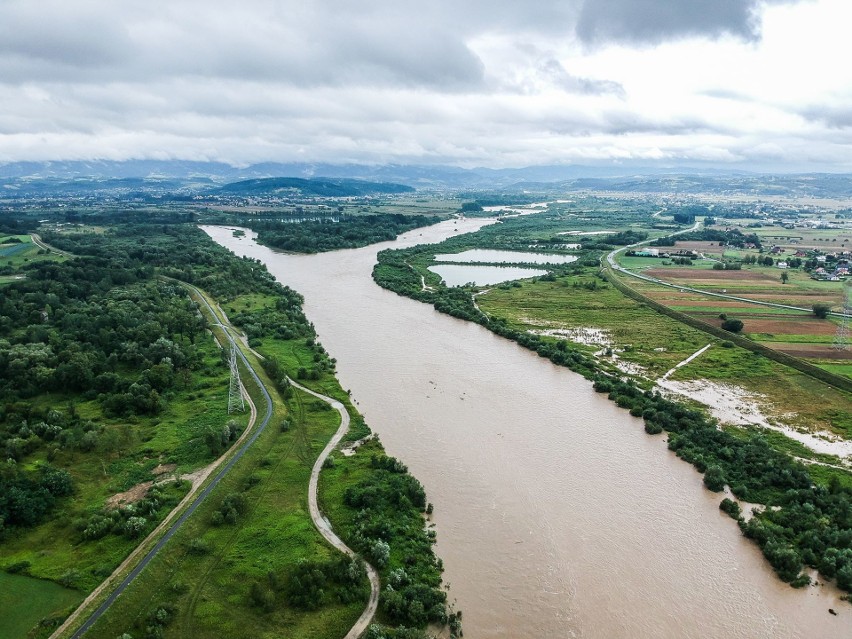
{"points": [[188, 512], [36, 238]]}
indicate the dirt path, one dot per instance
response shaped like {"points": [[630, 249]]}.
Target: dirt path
{"points": [[324, 526], [686, 361]]}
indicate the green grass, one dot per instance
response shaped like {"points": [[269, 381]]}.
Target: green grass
{"points": [[837, 369], [642, 263], [25, 601], [786, 338], [212, 591], [630, 324], [757, 309], [14, 256], [139, 444], [825, 475]]}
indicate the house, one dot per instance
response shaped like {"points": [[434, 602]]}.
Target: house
{"points": [[780, 264]]}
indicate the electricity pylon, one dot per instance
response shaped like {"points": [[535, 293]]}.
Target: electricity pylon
{"points": [[235, 392], [841, 337]]}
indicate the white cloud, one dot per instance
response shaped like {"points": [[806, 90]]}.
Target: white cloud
{"points": [[475, 83]]}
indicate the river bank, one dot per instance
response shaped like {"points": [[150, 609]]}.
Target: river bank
{"points": [[593, 528]]}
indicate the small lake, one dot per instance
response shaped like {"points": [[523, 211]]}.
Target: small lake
{"points": [[461, 274], [505, 257]]}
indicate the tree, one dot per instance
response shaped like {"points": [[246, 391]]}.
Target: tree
{"points": [[821, 310], [714, 478], [784, 277], [732, 325]]}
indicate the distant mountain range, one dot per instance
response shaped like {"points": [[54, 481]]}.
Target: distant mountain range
{"points": [[322, 187], [411, 175], [186, 178]]}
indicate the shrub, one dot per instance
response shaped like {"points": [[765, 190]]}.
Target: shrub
{"points": [[732, 325], [730, 507], [714, 478]]}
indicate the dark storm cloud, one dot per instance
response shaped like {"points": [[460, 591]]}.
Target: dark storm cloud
{"points": [[655, 21], [306, 45]]}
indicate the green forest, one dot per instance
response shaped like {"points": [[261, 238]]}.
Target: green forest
{"points": [[108, 372]]}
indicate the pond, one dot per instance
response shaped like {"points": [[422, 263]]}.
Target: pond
{"points": [[505, 257], [461, 274]]}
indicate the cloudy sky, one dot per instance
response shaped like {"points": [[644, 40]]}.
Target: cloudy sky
{"points": [[499, 83]]}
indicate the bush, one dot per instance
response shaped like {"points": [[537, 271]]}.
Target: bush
{"points": [[653, 428], [730, 508], [134, 526], [17, 567], [198, 546], [732, 325], [714, 478], [821, 310]]}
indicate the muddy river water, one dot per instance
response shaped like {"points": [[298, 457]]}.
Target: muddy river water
{"points": [[557, 516]]}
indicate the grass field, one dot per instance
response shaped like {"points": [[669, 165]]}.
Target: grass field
{"points": [[798, 333], [25, 601], [125, 457], [15, 254]]}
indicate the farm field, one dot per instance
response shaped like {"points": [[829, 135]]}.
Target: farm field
{"points": [[26, 601], [648, 344], [18, 250], [797, 333]]}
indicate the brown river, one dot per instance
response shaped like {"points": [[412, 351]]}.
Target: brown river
{"points": [[557, 516]]}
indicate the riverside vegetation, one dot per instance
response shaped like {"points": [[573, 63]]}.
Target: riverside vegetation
{"points": [[807, 515], [109, 375]]}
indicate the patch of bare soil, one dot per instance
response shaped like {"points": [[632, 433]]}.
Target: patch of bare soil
{"points": [[788, 327], [137, 493], [162, 469], [811, 351], [710, 275]]}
